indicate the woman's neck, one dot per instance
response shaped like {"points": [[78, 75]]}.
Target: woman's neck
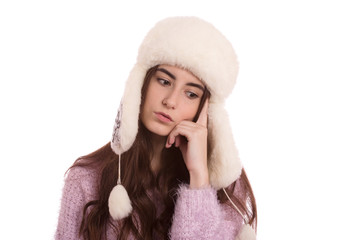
{"points": [[158, 144]]}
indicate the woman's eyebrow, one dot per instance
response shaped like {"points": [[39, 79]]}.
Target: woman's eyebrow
{"points": [[173, 77], [196, 85], [167, 72]]}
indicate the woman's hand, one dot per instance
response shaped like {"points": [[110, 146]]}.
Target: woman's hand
{"points": [[191, 138]]}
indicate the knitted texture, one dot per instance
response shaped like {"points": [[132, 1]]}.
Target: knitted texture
{"points": [[79, 188], [198, 214]]}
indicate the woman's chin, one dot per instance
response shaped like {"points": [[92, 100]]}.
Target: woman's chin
{"points": [[160, 132]]}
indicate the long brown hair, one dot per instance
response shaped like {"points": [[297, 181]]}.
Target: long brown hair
{"points": [[137, 178]]}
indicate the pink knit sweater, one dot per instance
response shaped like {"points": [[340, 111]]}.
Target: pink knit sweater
{"points": [[198, 214]]}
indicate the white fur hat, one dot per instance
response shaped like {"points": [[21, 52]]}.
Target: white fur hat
{"points": [[197, 46]]}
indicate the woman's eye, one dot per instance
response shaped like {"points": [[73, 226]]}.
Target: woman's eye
{"points": [[191, 95], [163, 81]]}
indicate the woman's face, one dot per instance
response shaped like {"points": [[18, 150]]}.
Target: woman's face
{"points": [[173, 95]]}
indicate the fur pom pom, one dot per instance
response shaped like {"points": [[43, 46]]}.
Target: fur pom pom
{"points": [[119, 203], [246, 233]]}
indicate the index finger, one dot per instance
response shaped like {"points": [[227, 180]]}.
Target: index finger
{"points": [[202, 120]]}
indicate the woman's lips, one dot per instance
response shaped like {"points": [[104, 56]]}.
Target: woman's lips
{"points": [[163, 117]]}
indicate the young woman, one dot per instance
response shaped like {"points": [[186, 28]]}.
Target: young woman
{"points": [[171, 170]]}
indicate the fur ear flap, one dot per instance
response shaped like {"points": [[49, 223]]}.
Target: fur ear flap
{"points": [[246, 233]]}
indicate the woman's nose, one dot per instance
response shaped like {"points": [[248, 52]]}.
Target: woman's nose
{"points": [[171, 99]]}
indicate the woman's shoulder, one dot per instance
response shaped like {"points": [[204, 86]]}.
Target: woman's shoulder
{"points": [[85, 178], [81, 173]]}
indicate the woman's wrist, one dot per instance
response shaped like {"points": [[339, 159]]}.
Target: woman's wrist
{"points": [[199, 180]]}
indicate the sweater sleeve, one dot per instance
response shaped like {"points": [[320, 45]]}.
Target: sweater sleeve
{"points": [[199, 215], [77, 192]]}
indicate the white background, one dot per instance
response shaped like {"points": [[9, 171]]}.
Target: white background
{"points": [[294, 111]]}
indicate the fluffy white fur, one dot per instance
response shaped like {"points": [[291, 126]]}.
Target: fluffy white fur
{"points": [[246, 233], [195, 45], [224, 164], [119, 203]]}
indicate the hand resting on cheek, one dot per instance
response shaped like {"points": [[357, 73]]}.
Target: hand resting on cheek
{"points": [[191, 138]]}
